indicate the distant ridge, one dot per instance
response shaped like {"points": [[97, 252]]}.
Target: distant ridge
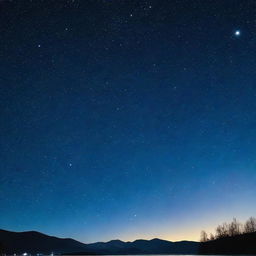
{"points": [[34, 242], [154, 246]]}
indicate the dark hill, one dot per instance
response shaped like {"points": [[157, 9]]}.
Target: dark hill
{"points": [[154, 246], [35, 242], [240, 244]]}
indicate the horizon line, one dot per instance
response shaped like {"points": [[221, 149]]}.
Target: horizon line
{"points": [[117, 239]]}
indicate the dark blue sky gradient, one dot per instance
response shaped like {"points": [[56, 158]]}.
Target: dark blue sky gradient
{"points": [[127, 119]]}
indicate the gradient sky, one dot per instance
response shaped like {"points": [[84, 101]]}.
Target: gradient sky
{"points": [[127, 119]]}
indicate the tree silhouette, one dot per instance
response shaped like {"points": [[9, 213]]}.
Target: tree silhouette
{"points": [[230, 230], [234, 228], [212, 237], [250, 225], [222, 230], [204, 236]]}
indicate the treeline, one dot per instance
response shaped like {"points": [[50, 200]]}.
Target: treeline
{"points": [[230, 230]]}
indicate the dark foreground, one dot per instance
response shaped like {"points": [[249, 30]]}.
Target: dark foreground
{"points": [[34, 242], [240, 244]]}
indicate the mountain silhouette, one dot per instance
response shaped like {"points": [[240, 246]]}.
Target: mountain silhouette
{"points": [[35, 242], [154, 246]]}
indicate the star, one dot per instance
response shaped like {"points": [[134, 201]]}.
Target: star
{"points": [[237, 33]]}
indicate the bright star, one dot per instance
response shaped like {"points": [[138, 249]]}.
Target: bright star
{"points": [[237, 33]]}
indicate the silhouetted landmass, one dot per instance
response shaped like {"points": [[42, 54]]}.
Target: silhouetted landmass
{"points": [[239, 244], [154, 246], [231, 229], [35, 242], [230, 238]]}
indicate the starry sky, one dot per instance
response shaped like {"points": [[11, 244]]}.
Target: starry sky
{"points": [[127, 119]]}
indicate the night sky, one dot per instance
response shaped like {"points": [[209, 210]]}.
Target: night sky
{"points": [[127, 118]]}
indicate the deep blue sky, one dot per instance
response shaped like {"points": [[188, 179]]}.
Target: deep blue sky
{"points": [[127, 119]]}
